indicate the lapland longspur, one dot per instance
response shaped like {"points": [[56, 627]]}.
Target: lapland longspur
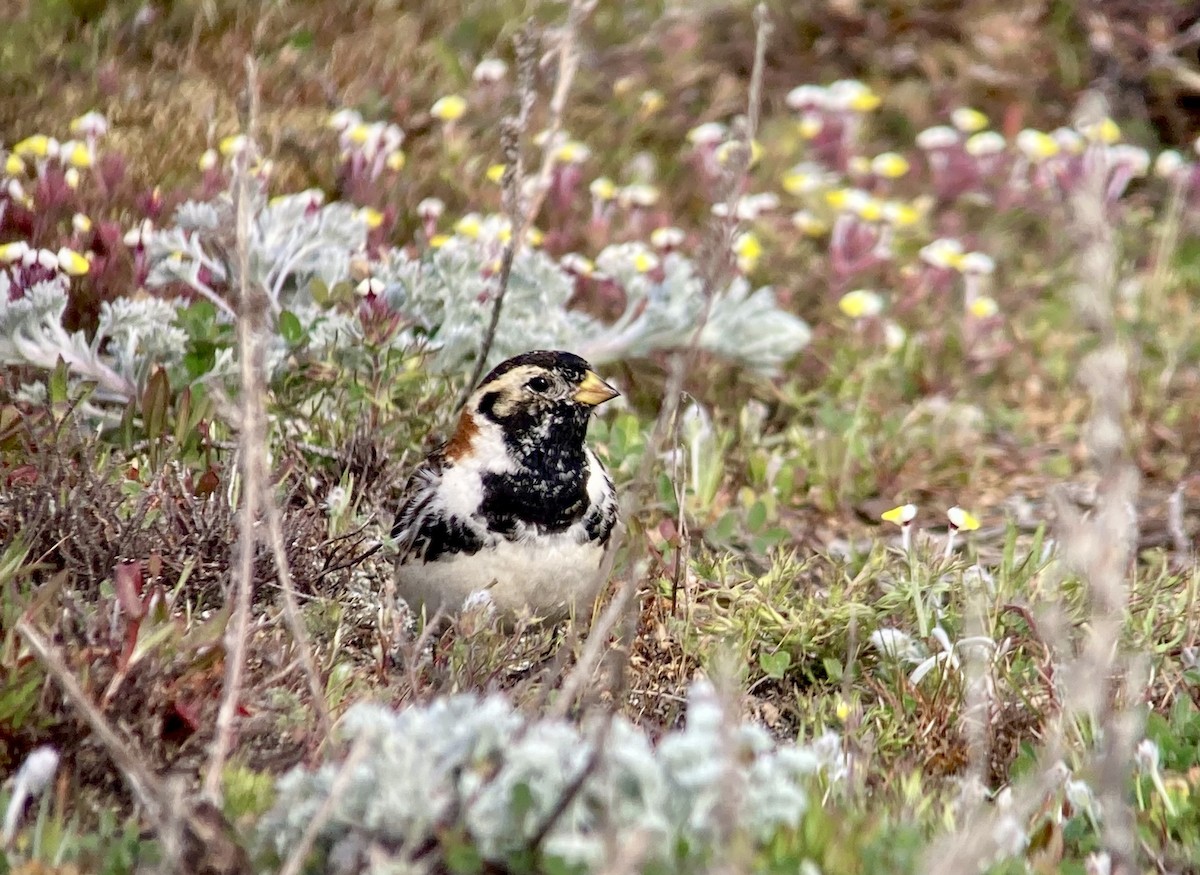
{"points": [[515, 503]]}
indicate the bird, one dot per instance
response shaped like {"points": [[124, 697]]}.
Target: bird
{"points": [[515, 503]]}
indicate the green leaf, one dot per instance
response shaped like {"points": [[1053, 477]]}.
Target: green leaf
{"points": [[775, 665], [58, 382], [156, 399], [757, 517], [290, 328]]}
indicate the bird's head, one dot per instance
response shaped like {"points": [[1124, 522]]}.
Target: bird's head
{"points": [[540, 401]]}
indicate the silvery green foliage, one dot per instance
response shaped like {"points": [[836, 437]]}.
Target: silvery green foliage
{"points": [[743, 325], [293, 240], [31, 333], [478, 767], [449, 293]]}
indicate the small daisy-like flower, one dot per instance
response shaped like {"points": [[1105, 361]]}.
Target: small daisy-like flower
{"points": [[1104, 131], [893, 336], [807, 97], [645, 261], [708, 134], [395, 161], [637, 195], [858, 165], [650, 102], [208, 160], [369, 216], [431, 208], [983, 307], [1168, 164], [577, 264], [968, 120], [861, 304], [139, 234], [842, 710], [667, 238], [572, 152], [977, 263], [1037, 145], [92, 125], [71, 178], [450, 108], [748, 249], [603, 188], [805, 177], [36, 146], [495, 173], [81, 223], [901, 515], [936, 138], [962, 520], [852, 95], [13, 165], [371, 285], [810, 126], [1134, 158], [71, 262], [437, 241], [535, 237], [889, 165], [729, 148], [985, 143], [809, 224], [469, 226], [490, 71], [899, 214], [76, 154], [46, 259], [945, 252], [10, 253], [233, 145], [1069, 140], [344, 120]]}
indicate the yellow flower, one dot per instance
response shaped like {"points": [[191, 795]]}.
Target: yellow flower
{"points": [[900, 215], [437, 241], [725, 152], [804, 178], [945, 252], [901, 516], [852, 95], [808, 224], [534, 237], [985, 143], [81, 223], [14, 166], [603, 188], [809, 126], [1037, 145], [962, 519], [984, 307], [72, 263], [469, 226], [645, 261], [572, 152], [651, 102], [370, 216], [748, 249], [889, 165], [13, 252], [37, 146], [858, 165], [1104, 131], [76, 154], [395, 161], [968, 120], [450, 108], [843, 710], [495, 173], [861, 303], [233, 145]]}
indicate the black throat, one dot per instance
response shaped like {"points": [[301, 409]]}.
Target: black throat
{"points": [[549, 488]]}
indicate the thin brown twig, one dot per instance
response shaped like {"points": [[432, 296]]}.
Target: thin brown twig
{"points": [[252, 308], [521, 216]]}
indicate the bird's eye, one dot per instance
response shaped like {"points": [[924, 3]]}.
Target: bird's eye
{"points": [[538, 384]]}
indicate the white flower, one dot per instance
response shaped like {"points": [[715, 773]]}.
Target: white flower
{"points": [[808, 97], [489, 71], [708, 134], [895, 644], [937, 137]]}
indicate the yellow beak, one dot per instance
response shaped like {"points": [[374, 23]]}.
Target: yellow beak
{"points": [[593, 391]]}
